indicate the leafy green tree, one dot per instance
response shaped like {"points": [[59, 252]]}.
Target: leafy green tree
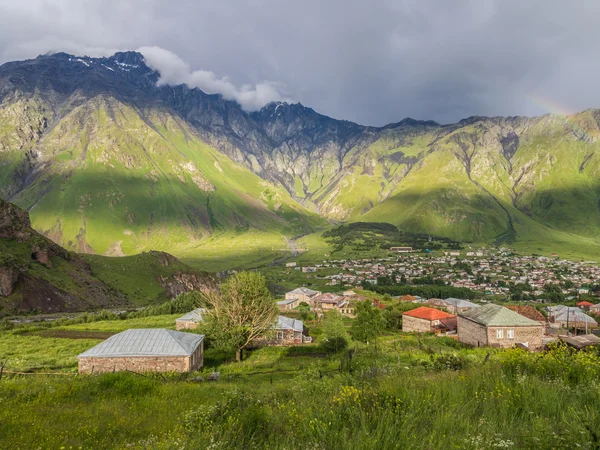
{"points": [[368, 323], [392, 315], [335, 335], [241, 312]]}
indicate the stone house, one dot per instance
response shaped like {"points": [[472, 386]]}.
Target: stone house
{"points": [[328, 301], [496, 326], [190, 320], [302, 294], [145, 350], [288, 331], [427, 320]]}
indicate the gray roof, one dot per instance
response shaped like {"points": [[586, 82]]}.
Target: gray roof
{"points": [[497, 315], [192, 316], [287, 302], [146, 342], [303, 290], [287, 323], [460, 303], [582, 341], [571, 314]]}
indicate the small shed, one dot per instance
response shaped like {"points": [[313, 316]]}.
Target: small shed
{"points": [[190, 320], [145, 350], [582, 341]]}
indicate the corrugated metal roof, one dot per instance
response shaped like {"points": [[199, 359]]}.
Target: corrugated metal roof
{"points": [[193, 316], [582, 341], [460, 303], [146, 342], [572, 314], [303, 290], [497, 315], [287, 323]]}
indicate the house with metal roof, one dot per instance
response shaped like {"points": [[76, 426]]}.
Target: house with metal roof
{"points": [[496, 326], [145, 350], [295, 297], [289, 331], [190, 320], [570, 317]]}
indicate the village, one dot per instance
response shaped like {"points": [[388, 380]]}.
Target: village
{"points": [[531, 325], [489, 271]]}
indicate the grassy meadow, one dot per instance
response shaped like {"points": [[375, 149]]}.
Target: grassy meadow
{"points": [[403, 391]]}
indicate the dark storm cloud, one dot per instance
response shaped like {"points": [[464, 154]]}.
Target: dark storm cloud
{"points": [[371, 61]]}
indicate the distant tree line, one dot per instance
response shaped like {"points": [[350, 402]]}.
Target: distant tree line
{"points": [[362, 236], [425, 291]]}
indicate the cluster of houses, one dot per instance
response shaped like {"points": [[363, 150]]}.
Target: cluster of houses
{"points": [[491, 272], [319, 302], [495, 325], [162, 350]]}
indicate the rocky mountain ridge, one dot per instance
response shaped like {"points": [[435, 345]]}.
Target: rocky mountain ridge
{"points": [[483, 179]]}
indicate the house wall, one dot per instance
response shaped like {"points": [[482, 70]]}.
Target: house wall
{"points": [[471, 333], [532, 335], [414, 324], [141, 364], [135, 364], [185, 325], [289, 338]]}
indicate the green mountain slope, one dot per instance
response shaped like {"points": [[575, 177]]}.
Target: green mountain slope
{"points": [[110, 179], [110, 162], [37, 275]]}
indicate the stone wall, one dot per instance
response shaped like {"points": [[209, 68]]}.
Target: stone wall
{"points": [[186, 325], [138, 364], [471, 333], [530, 335], [414, 324], [141, 364]]}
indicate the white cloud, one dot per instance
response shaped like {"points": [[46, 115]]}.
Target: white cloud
{"points": [[173, 70]]}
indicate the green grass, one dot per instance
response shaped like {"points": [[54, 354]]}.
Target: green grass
{"points": [[408, 392]]}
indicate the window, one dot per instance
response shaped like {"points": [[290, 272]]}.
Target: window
{"points": [[499, 334], [510, 334], [280, 335]]}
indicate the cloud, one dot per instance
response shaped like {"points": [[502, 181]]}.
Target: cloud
{"points": [[173, 70], [371, 62]]}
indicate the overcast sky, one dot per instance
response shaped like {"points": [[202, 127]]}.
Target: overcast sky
{"points": [[370, 61]]}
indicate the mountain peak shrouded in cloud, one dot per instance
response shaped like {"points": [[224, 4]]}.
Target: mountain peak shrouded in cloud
{"points": [[369, 62], [174, 70]]}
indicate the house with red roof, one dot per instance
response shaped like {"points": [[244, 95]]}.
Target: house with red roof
{"points": [[585, 305], [427, 320]]}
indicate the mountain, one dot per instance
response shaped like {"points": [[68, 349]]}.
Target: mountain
{"points": [[37, 275], [108, 162]]}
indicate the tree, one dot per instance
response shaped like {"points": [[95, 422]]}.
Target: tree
{"points": [[393, 315], [368, 323], [241, 312], [335, 336]]}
